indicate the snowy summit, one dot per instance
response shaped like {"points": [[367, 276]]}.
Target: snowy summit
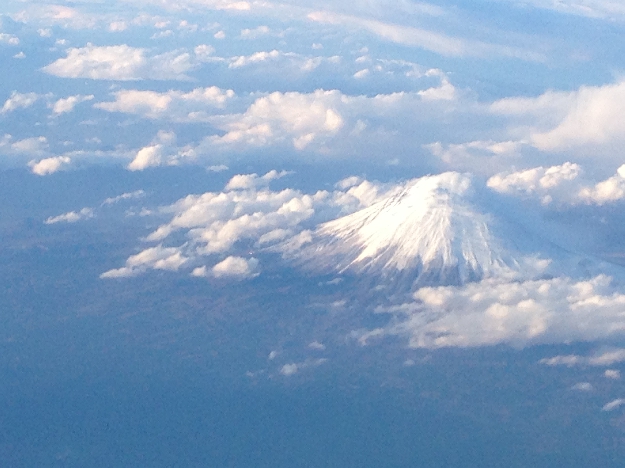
{"points": [[428, 231]]}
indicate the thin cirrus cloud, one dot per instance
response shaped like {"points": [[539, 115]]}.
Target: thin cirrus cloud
{"points": [[439, 43], [604, 9]]}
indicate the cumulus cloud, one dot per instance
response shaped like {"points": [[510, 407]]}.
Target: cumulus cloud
{"points": [[561, 184], [291, 63], [521, 313], [161, 151], [19, 101], [149, 156], [158, 258], [242, 60], [236, 267], [49, 166], [195, 105], [66, 105], [9, 39], [302, 118], [71, 217], [559, 121], [248, 212], [121, 63]]}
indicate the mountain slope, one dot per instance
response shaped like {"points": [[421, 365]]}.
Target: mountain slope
{"points": [[427, 231]]}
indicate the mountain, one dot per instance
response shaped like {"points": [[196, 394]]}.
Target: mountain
{"points": [[433, 230]]}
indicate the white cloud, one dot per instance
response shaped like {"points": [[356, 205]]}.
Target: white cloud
{"points": [[614, 404], [604, 9], [292, 65], [71, 217], [195, 105], [236, 267], [541, 182], [561, 184], [64, 16], [33, 146], [66, 105], [612, 374], [204, 53], [583, 387], [118, 26], [124, 196], [246, 210], [220, 35], [242, 61], [294, 367], [253, 181], [317, 346], [362, 73], [255, 33], [429, 40], [443, 92], [555, 121], [601, 359], [215, 223], [302, 118], [162, 151], [9, 39], [477, 156], [609, 190], [49, 166], [158, 258], [121, 62], [149, 156], [19, 101], [289, 369], [558, 310]]}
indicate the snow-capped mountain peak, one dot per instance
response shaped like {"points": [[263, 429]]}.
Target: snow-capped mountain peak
{"points": [[426, 230]]}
